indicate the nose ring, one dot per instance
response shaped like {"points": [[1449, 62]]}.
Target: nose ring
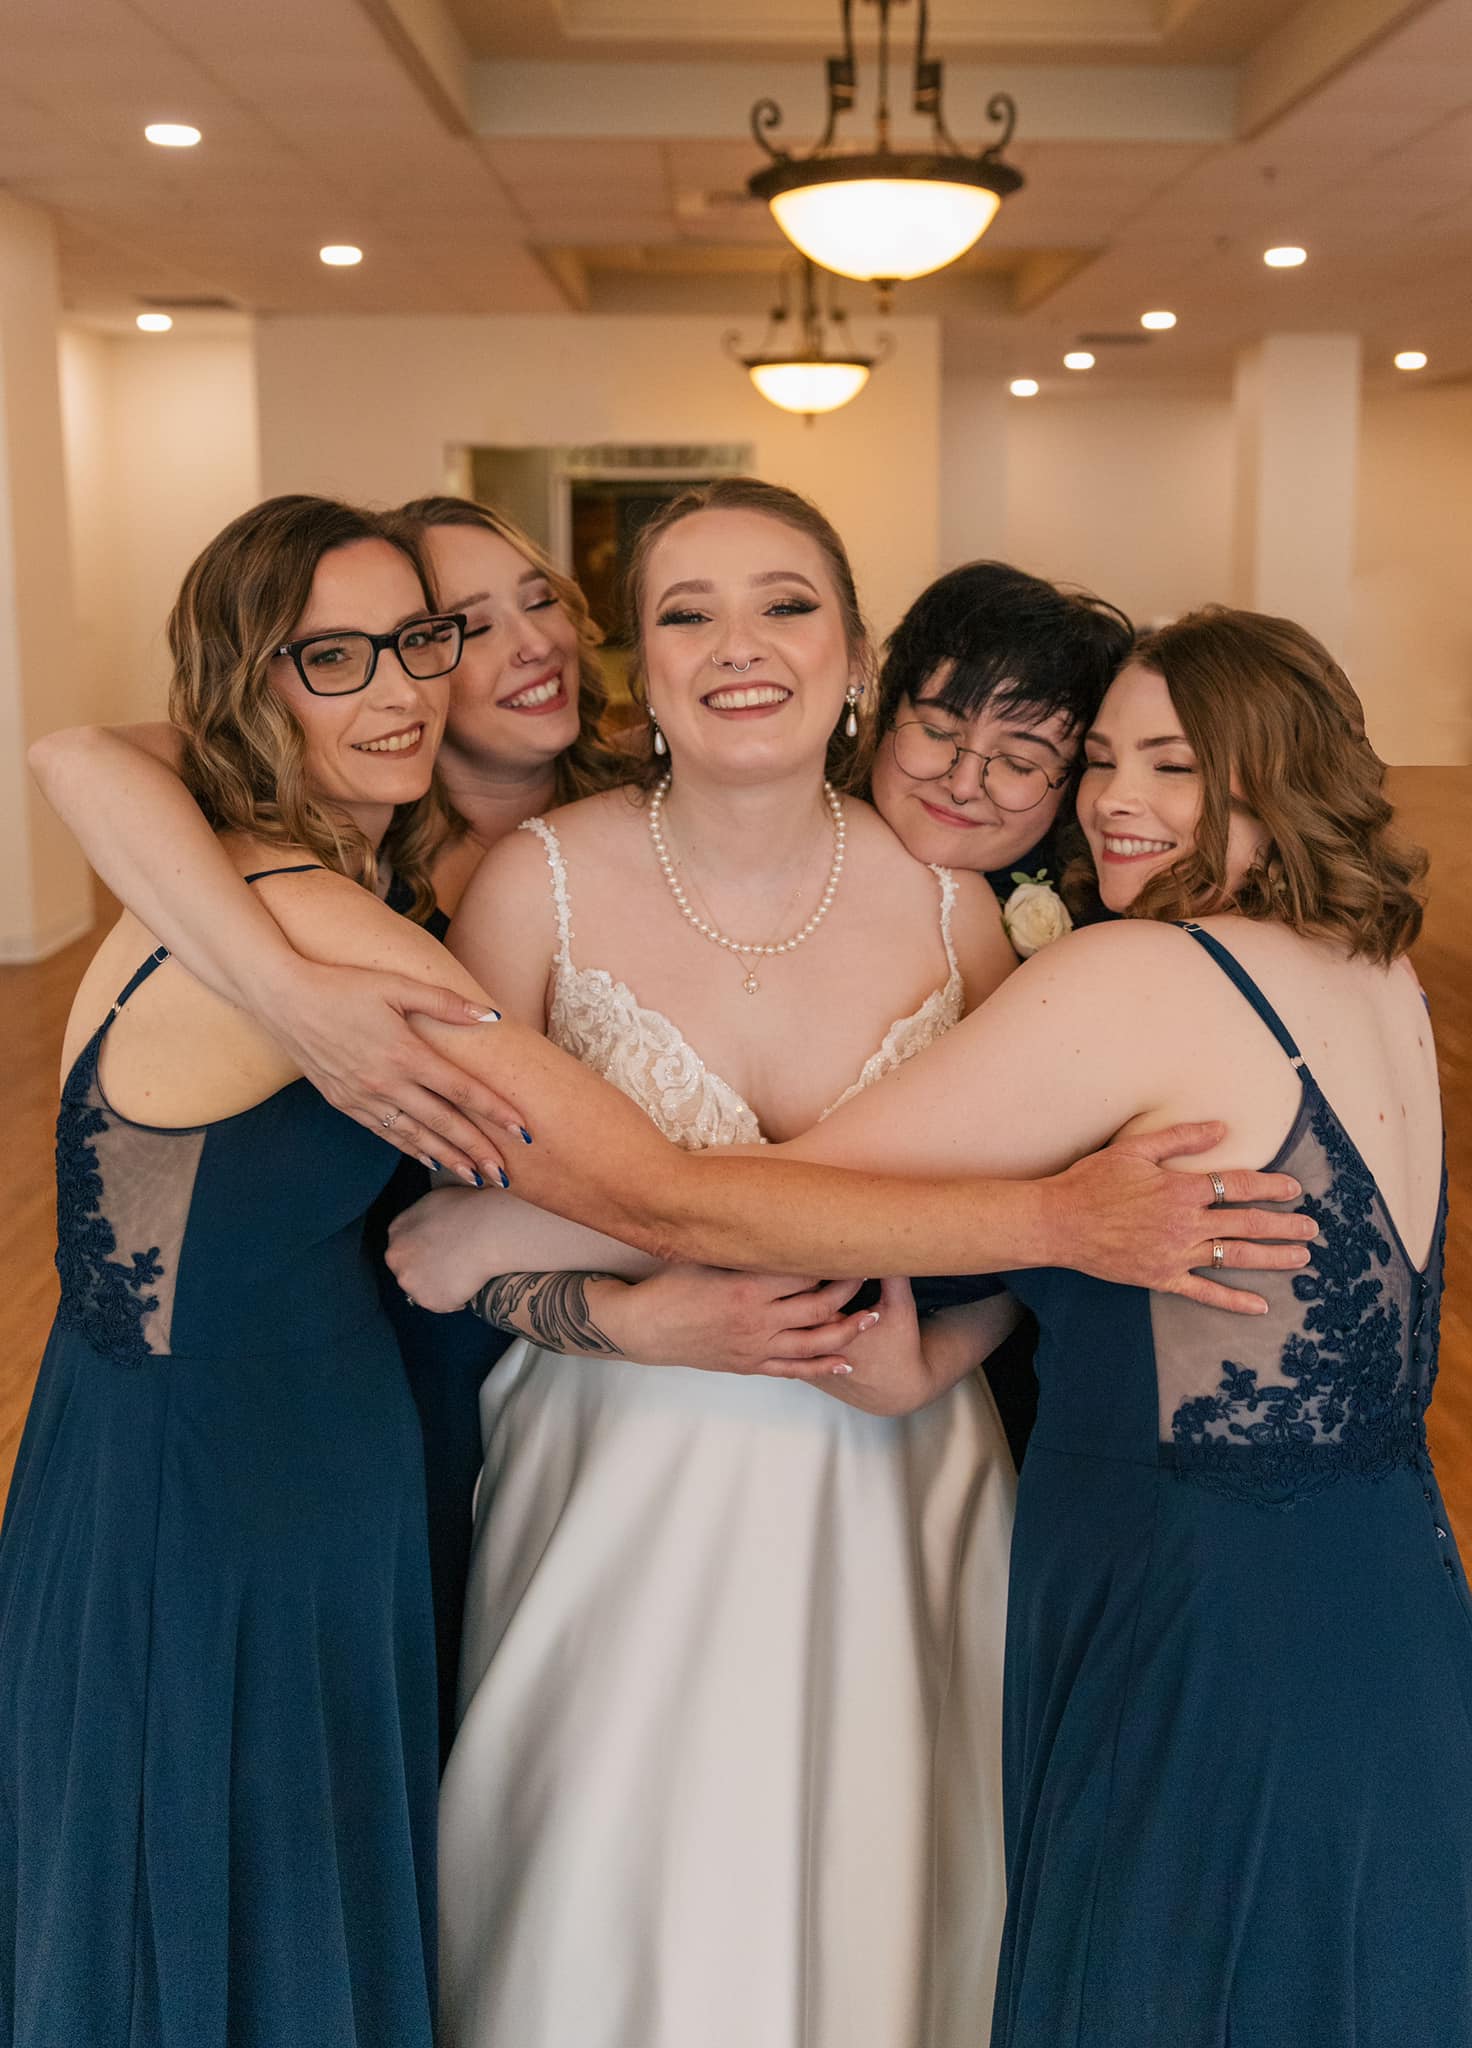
{"points": [[740, 666]]}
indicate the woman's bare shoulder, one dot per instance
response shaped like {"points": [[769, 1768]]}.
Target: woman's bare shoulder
{"points": [[597, 821]]}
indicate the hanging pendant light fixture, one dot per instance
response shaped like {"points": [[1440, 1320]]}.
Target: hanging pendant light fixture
{"points": [[821, 370], [885, 215]]}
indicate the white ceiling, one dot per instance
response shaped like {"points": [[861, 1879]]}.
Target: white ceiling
{"points": [[559, 154]]}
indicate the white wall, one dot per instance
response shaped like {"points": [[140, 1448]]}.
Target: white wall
{"points": [[1129, 496], [161, 451], [366, 409]]}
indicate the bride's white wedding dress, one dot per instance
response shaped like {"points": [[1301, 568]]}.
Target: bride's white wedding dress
{"points": [[727, 1772]]}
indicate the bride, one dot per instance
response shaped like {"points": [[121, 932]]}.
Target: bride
{"points": [[726, 1770]]}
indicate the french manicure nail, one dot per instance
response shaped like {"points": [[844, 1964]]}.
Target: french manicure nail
{"points": [[487, 1016], [526, 1136], [842, 1366], [867, 1322], [471, 1180], [502, 1176]]}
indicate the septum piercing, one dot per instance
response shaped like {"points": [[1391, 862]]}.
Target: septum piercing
{"points": [[739, 666]]}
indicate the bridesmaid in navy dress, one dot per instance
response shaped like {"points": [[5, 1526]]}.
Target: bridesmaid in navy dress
{"points": [[217, 1735], [522, 733], [1238, 1713]]}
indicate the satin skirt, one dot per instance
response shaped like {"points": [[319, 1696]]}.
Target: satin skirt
{"points": [[727, 1768]]}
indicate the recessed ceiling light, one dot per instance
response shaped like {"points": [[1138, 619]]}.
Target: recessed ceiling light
{"points": [[1078, 359], [1287, 258], [1024, 387], [1158, 321], [1411, 359], [341, 255], [171, 134], [154, 323]]}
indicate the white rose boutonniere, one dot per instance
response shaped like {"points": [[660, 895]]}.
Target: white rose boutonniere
{"points": [[1034, 915]]}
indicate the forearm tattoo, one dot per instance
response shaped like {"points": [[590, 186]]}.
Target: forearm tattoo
{"points": [[550, 1308]]}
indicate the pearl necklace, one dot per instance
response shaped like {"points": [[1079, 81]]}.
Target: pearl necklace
{"points": [[719, 938]]}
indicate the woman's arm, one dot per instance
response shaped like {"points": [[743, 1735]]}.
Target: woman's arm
{"points": [[120, 794], [905, 1364], [599, 1160]]}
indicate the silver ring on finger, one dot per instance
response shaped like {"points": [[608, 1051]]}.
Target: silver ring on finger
{"points": [[391, 1119], [1218, 1191], [1218, 1255]]}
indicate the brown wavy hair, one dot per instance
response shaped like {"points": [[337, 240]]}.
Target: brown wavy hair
{"points": [[1266, 707], [589, 764], [848, 761], [244, 752]]}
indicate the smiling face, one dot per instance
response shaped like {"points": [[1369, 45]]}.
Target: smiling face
{"points": [[1140, 795], [746, 659], [514, 701], [373, 749], [951, 820]]}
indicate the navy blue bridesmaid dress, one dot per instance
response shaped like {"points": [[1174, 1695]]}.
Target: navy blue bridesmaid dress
{"points": [[217, 1710], [1238, 1721]]}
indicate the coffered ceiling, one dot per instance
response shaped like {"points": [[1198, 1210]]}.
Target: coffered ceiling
{"points": [[560, 156]]}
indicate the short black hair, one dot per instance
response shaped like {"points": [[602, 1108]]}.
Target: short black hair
{"points": [[1014, 641]]}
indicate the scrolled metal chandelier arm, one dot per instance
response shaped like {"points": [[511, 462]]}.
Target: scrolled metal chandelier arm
{"points": [[881, 214], [1000, 107]]}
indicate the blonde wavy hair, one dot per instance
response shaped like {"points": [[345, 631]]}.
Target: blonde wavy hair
{"points": [[1266, 707], [589, 764], [244, 751], [848, 760]]}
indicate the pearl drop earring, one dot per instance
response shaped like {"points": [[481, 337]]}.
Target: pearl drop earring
{"points": [[851, 723], [659, 746]]}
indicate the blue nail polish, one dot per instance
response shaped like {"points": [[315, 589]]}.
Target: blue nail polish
{"points": [[477, 1179], [504, 1180], [526, 1136]]}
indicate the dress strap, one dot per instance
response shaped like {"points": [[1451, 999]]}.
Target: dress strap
{"points": [[558, 866], [155, 959], [1237, 974], [947, 904], [161, 953]]}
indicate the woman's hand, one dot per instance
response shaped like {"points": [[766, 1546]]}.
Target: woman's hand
{"points": [[780, 1325], [437, 1249], [905, 1364], [347, 1029], [1118, 1215]]}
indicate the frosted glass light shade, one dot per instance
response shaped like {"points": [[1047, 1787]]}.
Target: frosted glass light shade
{"points": [[809, 387], [884, 227]]}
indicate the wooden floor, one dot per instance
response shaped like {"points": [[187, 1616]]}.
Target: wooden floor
{"points": [[1436, 806]]}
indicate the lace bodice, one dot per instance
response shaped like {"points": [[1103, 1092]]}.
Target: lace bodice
{"points": [[602, 1023]]}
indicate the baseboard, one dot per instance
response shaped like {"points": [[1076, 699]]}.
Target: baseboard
{"points": [[25, 949]]}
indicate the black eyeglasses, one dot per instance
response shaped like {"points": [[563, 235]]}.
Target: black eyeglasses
{"points": [[336, 664], [1012, 783]]}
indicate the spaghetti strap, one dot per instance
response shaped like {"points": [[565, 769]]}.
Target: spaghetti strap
{"points": [[136, 980], [1237, 974], [161, 953], [947, 904], [553, 849]]}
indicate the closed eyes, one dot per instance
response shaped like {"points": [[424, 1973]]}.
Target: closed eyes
{"points": [[538, 604]]}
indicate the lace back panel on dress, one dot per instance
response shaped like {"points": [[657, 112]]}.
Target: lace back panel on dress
{"points": [[123, 1192], [1336, 1377]]}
